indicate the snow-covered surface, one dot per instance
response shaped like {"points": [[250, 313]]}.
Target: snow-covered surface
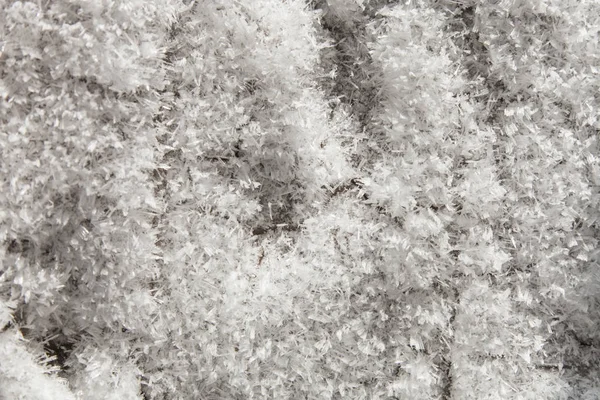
{"points": [[280, 199]]}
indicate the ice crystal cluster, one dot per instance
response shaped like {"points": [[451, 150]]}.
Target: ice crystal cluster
{"points": [[293, 199]]}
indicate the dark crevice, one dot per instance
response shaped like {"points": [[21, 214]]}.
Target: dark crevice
{"points": [[59, 349], [351, 184], [264, 229], [446, 378], [445, 365], [475, 57], [355, 184], [19, 246], [286, 225], [356, 83], [355, 80], [570, 351]]}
